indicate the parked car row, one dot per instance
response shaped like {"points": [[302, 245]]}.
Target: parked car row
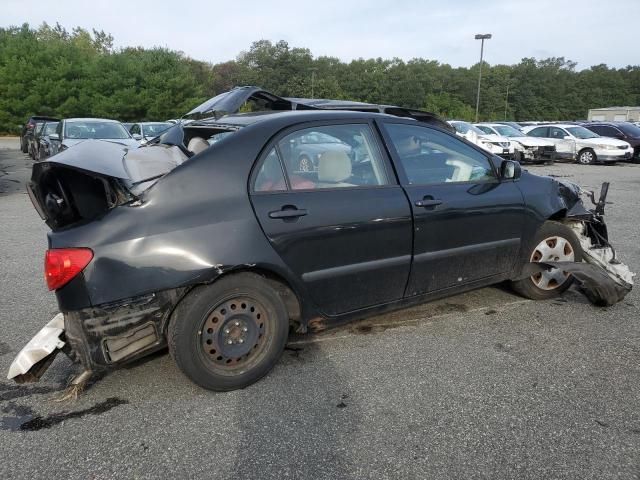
{"points": [[538, 142], [43, 137]]}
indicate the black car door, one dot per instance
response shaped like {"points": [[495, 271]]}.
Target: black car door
{"points": [[344, 228], [467, 223]]}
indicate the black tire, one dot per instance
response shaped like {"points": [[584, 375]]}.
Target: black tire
{"points": [[587, 157], [23, 145], [305, 164], [534, 287], [229, 334]]}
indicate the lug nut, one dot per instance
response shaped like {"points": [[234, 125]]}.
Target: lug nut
{"points": [[230, 342], [237, 323], [241, 340], [227, 331], [245, 329]]}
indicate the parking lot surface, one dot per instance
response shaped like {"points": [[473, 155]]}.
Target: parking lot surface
{"points": [[481, 385]]}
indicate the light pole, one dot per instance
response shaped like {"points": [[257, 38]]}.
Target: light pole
{"points": [[313, 80], [506, 102], [482, 37]]}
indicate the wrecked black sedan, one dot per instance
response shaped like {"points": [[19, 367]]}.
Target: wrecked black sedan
{"points": [[212, 240]]}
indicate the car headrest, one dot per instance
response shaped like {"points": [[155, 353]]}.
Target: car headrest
{"points": [[334, 166], [197, 145]]}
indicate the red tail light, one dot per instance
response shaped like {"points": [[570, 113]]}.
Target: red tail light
{"points": [[61, 265]]}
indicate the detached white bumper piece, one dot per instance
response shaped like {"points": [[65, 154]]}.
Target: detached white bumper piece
{"points": [[36, 356]]}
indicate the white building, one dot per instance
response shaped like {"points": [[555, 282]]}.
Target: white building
{"points": [[615, 114]]}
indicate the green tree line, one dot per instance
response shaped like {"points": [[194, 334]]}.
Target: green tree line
{"points": [[52, 71]]}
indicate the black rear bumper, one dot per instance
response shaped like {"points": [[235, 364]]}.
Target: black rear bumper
{"points": [[113, 334]]}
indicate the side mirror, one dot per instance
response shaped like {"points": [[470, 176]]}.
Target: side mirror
{"points": [[567, 137], [137, 136], [510, 170], [54, 136]]}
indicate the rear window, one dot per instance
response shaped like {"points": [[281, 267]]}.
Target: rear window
{"points": [[96, 130]]}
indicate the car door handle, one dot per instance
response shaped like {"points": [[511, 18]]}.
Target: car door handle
{"points": [[288, 213], [428, 202]]}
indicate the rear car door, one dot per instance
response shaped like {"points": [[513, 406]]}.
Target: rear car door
{"points": [[341, 222], [467, 223]]}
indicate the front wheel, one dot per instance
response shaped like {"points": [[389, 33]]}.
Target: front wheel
{"points": [[553, 242], [587, 157], [229, 334]]}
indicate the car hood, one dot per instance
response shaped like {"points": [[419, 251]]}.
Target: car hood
{"points": [[532, 141]]}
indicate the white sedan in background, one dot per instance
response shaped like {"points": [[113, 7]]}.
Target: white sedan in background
{"points": [[527, 149], [579, 143], [496, 144]]}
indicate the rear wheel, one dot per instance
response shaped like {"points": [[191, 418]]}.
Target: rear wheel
{"points": [[23, 145], [587, 157], [229, 334], [554, 242]]}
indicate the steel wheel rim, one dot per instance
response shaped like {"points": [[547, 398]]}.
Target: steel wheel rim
{"points": [[304, 165], [234, 335], [552, 249]]}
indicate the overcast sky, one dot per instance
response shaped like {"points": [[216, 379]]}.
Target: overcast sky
{"points": [[589, 32]]}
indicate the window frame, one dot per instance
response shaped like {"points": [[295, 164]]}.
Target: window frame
{"points": [[399, 167], [387, 164]]}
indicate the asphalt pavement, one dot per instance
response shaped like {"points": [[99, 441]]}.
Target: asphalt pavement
{"points": [[480, 385]]}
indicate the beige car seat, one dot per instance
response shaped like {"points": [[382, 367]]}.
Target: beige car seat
{"points": [[197, 145], [334, 167]]}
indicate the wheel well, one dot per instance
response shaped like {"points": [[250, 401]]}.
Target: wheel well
{"points": [[559, 215], [288, 295]]}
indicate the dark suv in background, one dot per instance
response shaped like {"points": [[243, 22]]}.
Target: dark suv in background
{"points": [[626, 131], [29, 128]]}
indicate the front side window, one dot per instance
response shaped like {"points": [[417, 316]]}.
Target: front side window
{"points": [[429, 156], [557, 133], [332, 156]]}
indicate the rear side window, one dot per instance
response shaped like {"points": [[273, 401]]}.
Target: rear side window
{"points": [[270, 177], [429, 156], [332, 156], [539, 132], [605, 131]]}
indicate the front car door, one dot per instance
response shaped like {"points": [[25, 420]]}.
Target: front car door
{"points": [[341, 223], [467, 222], [563, 144]]}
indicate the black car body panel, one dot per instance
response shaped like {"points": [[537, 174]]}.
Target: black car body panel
{"points": [[354, 251]]}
